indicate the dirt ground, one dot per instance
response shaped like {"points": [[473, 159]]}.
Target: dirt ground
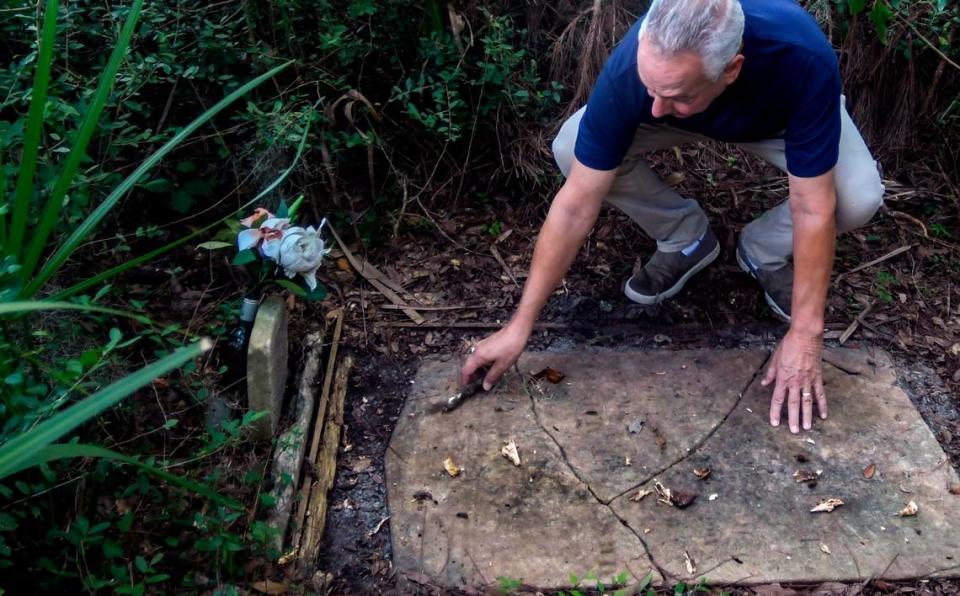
{"points": [[476, 259]]}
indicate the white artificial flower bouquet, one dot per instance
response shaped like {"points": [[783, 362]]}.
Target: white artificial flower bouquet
{"points": [[268, 243]]}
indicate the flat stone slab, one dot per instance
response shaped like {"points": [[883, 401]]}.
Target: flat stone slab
{"points": [[618, 422]]}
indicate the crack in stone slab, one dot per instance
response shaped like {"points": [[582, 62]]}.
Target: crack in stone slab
{"points": [[573, 470], [693, 449]]}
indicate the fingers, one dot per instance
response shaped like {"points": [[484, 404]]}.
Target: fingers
{"points": [[806, 406], [821, 397], [776, 403], [771, 376], [496, 371], [793, 407], [469, 369]]}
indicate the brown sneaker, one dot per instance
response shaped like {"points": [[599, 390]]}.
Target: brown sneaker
{"points": [[777, 285], [666, 273]]}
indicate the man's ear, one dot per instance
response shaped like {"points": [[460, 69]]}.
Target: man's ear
{"points": [[732, 71]]}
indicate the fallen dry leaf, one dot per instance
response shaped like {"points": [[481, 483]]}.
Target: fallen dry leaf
{"points": [[691, 568], [682, 500], [362, 464], [641, 495], [509, 451], [372, 532], [674, 498], [825, 548], [452, 468], [885, 587], [664, 495], [955, 489], [344, 265], [553, 376], [268, 587], [910, 510], [661, 442], [827, 505], [701, 473], [674, 178], [869, 471], [801, 476]]}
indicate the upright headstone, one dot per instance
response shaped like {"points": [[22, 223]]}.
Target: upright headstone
{"points": [[267, 365]]}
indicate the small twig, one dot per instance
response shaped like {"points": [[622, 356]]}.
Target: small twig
{"points": [[856, 323], [876, 261], [377, 529], [929, 43], [403, 206], [381, 282], [496, 255], [432, 308], [465, 325], [908, 217]]}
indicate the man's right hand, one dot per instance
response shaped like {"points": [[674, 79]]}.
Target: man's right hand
{"points": [[497, 352], [572, 214]]}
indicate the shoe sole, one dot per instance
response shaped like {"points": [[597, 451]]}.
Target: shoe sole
{"points": [[770, 302], [673, 290]]}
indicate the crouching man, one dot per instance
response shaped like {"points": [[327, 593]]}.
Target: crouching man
{"points": [[756, 73]]}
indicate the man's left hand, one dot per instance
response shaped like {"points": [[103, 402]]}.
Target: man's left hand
{"points": [[796, 374]]}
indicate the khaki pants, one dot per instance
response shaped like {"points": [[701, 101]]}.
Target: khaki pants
{"points": [[676, 222]]}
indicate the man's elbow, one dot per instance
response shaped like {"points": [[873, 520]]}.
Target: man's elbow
{"points": [[814, 208], [577, 203]]}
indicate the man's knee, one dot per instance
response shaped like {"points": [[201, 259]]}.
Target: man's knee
{"points": [[565, 142], [859, 197], [563, 153]]}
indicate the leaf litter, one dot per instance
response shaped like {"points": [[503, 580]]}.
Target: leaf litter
{"points": [[452, 468], [691, 567], [673, 498], [803, 476], [910, 510], [827, 505], [551, 375], [509, 451]]}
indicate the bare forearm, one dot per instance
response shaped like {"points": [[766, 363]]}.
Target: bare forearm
{"points": [[561, 237], [814, 241]]}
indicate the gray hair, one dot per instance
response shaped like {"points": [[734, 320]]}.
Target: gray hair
{"points": [[712, 29]]}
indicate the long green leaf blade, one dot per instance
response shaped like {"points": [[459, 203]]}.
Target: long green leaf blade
{"points": [[31, 139], [92, 220], [149, 256], [54, 204], [9, 308], [3, 203], [70, 450], [15, 452]]}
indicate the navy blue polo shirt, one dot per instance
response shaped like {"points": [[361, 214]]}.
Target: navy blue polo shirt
{"points": [[789, 88]]}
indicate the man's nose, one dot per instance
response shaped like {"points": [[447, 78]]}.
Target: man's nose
{"points": [[661, 107]]}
